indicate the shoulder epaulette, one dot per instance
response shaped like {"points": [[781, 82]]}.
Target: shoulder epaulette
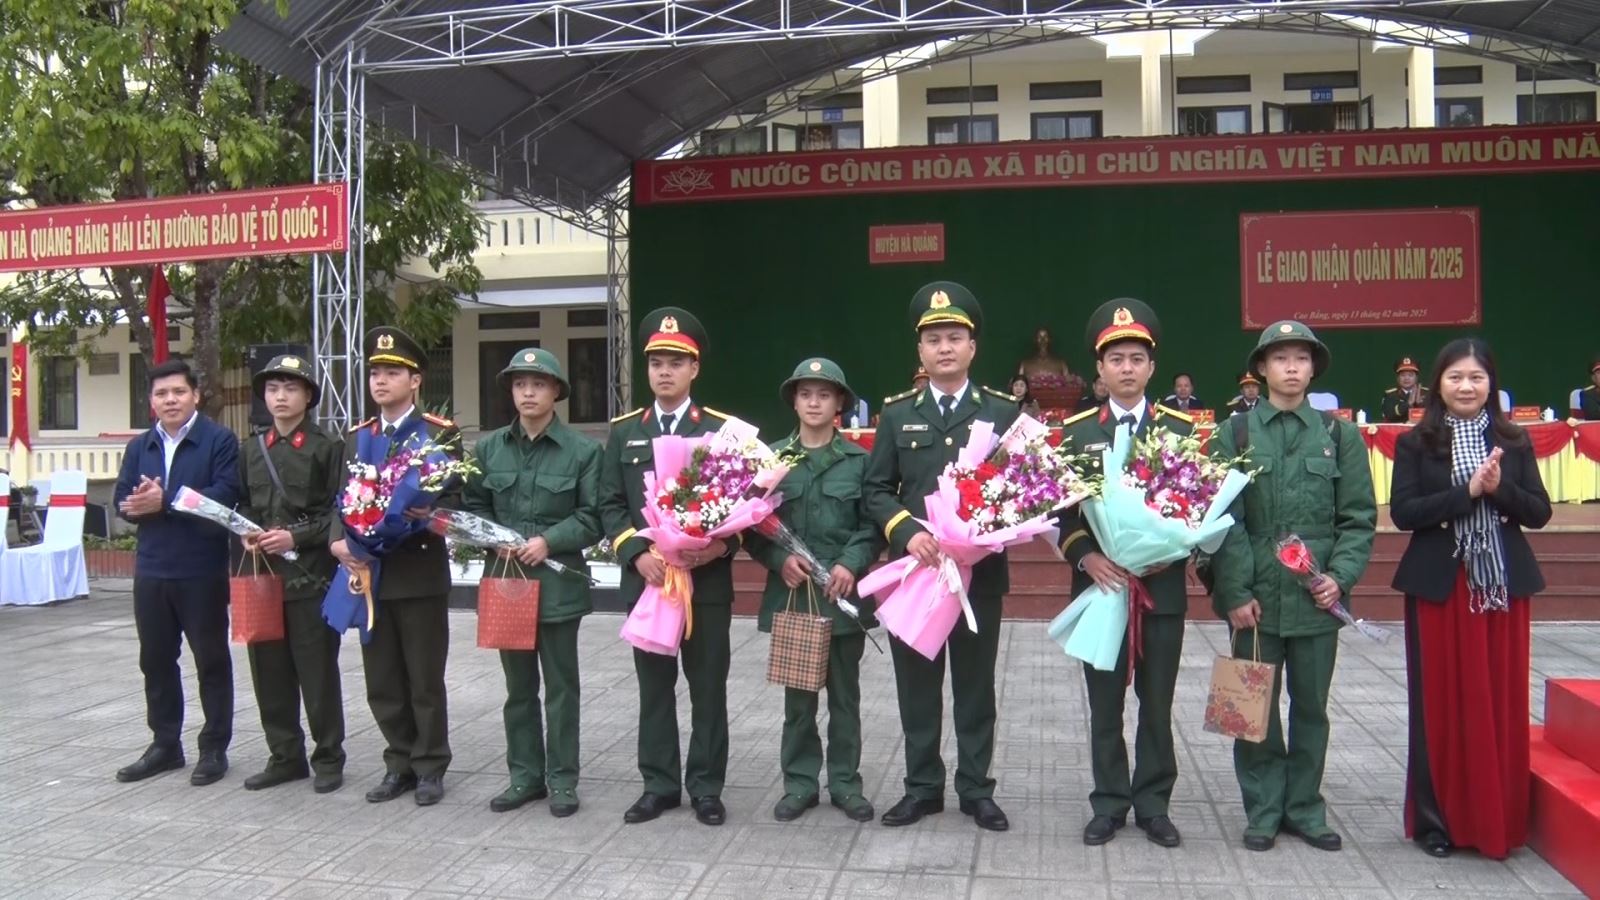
{"points": [[994, 393], [716, 412], [627, 415], [1081, 416], [440, 421], [360, 425], [1393, 390], [1591, 389], [903, 395], [1180, 416]]}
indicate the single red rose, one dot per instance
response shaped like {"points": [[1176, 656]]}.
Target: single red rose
{"points": [[683, 480], [1296, 557], [987, 472], [767, 527]]}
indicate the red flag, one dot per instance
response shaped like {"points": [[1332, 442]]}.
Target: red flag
{"points": [[155, 307], [18, 384]]}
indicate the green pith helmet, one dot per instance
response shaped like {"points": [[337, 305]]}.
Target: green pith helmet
{"points": [[945, 303], [1284, 332], [1122, 319], [816, 368], [287, 365], [536, 361]]}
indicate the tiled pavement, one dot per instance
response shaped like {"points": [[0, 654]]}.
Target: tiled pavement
{"points": [[71, 713]]}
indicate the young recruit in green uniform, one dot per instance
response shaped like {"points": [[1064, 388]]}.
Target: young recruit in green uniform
{"points": [[673, 342], [822, 506], [1123, 335], [919, 433], [1311, 479], [290, 475], [541, 479]]}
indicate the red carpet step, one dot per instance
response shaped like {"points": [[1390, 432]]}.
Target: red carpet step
{"points": [[1565, 814], [1572, 719]]}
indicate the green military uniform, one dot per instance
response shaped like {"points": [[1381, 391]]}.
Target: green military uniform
{"points": [[915, 440], [1589, 397], [822, 506], [1396, 405], [1239, 404], [1311, 479], [405, 657], [705, 654], [1149, 789], [547, 486], [304, 665]]}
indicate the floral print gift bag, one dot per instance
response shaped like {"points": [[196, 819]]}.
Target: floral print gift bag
{"points": [[1241, 696]]}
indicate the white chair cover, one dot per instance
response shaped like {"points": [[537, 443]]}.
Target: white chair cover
{"points": [[1505, 402], [54, 569], [1574, 402], [1323, 400]]}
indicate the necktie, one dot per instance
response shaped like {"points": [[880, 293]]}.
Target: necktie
{"points": [[388, 431], [666, 423], [1128, 420], [946, 403]]}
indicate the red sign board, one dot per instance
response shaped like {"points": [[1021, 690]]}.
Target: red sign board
{"points": [[1228, 158], [17, 388], [1377, 268], [311, 218], [905, 243]]}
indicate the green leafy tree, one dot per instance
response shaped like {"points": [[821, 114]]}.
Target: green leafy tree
{"points": [[132, 99]]}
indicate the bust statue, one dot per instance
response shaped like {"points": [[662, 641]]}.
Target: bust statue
{"points": [[1051, 383]]}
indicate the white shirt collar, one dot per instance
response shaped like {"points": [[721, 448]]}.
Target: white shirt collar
{"points": [[1117, 412], [182, 431], [397, 422], [939, 395], [677, 414]]}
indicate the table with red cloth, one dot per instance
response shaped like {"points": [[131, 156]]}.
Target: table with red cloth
{"points": [[1568, 455], [864, 436]]}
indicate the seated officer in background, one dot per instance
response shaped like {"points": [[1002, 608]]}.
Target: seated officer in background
{"points": [[1398, 401], [1249, 394], [1182, 397], [1589, 397]]}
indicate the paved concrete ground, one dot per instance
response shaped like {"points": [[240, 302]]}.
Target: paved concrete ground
{"points": [[71, 713]]}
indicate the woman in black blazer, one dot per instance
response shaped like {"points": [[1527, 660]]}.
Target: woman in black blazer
{"points": [[1465, 485]]}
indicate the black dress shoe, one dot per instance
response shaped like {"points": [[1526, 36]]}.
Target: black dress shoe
{"points": [[1160, 830], [327, 782], [1101, 829], [270, 777], [910, 810], [649, 806], [430, 790], [154, 761], [792, 807], [1437, 845], [1259, 842], [392, 786], [563, 803], [1324, 839], [212, 766], [517, 795], [986, 813], [710, 811]]}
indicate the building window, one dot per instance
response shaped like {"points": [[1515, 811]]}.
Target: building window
{"points": [[841, 136], [586, 367], [588, 317], [973, 93], [1557, 71], [438, 382], [1305, 81], [501, 321], [732, 141], [58, 393], [494, 399], [1214, 84], [174, 334], [1458, 75], [847, 100], [1064, 126], [1214, 120], [1458, 112], [1063, 90], [963, 129], [1534, 109]]}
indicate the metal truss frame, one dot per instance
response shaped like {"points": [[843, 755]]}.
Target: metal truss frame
{"points": [[339, 150]]}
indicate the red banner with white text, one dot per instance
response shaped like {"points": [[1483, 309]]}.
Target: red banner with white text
{"points": [[1374, 268], [1167, 160], [309, 218]]}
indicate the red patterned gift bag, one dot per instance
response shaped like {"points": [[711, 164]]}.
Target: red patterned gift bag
{"points": [[1241, 696], [257, 603], [799, 656], [508, 609]]}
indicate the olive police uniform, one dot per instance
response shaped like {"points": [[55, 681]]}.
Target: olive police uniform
{"points": [[1148, 790], [920, 432], [705, 654], [1311, 479], [405, 656], [1240, 404], [822, 506], [304, 665], [546, 486], [1396, 405], [1589, 397]]}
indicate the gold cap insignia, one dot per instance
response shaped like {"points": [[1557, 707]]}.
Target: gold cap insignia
{"points": [[940, 300], [1286, 328], [291, 362], [816, 366], [1122, 316], [1406, 361], [385, 342], [527, 357], [669, 325]]}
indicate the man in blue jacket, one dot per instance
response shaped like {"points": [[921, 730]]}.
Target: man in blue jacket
{"points": [[180, 575]]}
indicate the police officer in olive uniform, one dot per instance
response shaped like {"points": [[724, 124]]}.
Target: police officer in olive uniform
{"points": [[822, 506], [1123, 335], [919, 432], [1311, 479], [1589, 397], [1249, 394], [673, 341], [1407, 395], [405, 657], [289, 476], [542, 479]]}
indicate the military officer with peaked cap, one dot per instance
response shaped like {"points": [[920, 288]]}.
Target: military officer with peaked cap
{"points": [[1406, 395], [919, 432]]}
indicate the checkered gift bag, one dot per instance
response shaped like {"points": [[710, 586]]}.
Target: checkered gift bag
{"points": [[257, 603], [799, 657], [508, 610]]}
